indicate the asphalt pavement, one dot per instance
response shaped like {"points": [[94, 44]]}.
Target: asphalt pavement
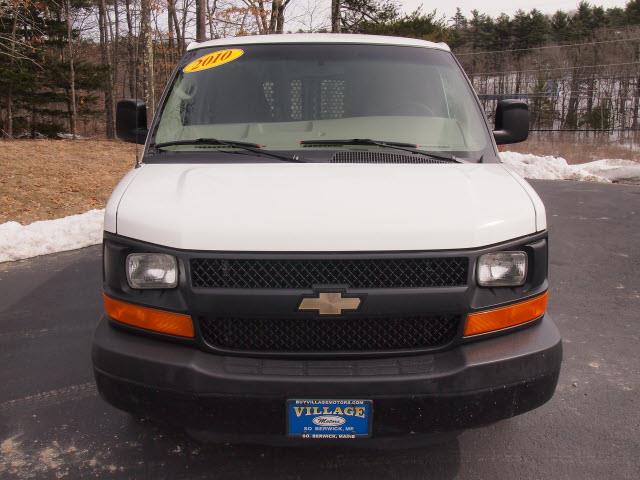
{"points": [[54, 425]]}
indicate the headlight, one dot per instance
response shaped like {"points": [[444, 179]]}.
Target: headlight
{"points": [[502, 269], [152, 270]]}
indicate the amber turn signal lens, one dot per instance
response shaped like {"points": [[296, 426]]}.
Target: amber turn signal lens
{"points": [[505, 317], [149, 318]]}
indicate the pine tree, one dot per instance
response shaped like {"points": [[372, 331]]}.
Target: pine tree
{"points": [[42, 75]]}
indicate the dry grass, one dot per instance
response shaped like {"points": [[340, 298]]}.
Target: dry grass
{"points": [[43, 179], [578, 148]]}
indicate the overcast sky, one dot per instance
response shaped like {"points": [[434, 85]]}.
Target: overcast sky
{"points": [[495, 7]]}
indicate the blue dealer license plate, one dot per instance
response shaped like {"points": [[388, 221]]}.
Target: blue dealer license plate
{"points": [[329, 419]]}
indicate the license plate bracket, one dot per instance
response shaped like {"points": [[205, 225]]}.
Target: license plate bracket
{"points": [[329, 419]]}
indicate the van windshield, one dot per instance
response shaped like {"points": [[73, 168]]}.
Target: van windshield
{"points": [[280, 95]]}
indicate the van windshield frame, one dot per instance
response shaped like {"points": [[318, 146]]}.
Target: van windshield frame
{"points": [[279, 95]]}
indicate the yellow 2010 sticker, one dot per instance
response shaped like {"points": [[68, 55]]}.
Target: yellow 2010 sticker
{"points": [[213, 59]]}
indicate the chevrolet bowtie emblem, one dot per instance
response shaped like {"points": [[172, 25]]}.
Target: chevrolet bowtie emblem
{"points": [[329, 303]]}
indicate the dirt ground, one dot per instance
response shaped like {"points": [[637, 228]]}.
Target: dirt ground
{"points": [[44, 179]]}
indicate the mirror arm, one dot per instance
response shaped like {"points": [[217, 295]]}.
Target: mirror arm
{"points": [[500, 136]]}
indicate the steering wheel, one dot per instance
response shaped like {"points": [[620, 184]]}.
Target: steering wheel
{"points": [[415, 108]]}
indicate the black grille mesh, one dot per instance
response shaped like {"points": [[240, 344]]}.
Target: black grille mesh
{"points": [[373, 334], [381, 157], [307, 273]]}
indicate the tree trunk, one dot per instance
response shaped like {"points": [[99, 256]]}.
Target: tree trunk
{"points": [[184, 26], [335, 16], [116, 45], [14, 29], [201, 10], [131, 51], [280, 22], [72, 73], [276, 22], [590, 94], [211, 18], [257, 10], [623, 91], [150, 94], [636, 105], [171, 6], [179, 34], [9, 131], [571, 118], [109, 106], [275, 9], [174, 27]]}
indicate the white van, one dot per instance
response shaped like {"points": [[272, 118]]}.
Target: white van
{"points": [[320, 243]]}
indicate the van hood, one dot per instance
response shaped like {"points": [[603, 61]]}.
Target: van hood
{"points": [[323, 207]]}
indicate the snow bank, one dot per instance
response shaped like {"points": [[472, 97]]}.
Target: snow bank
{"points": [[557, 168], [48, 236]]}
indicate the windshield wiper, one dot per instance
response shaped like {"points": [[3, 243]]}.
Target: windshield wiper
{"points": [[250, 147], [407, 147]]}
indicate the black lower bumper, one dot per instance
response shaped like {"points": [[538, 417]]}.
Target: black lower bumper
{"points": [[244, 398]]}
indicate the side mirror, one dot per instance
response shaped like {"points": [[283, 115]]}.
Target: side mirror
{"points": [[512, 122], [131, 121]]}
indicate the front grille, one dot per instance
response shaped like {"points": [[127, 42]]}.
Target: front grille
{"points": [[359, 156], [307, 273], [297, 335]]}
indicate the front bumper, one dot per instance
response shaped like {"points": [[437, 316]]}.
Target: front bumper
{"points": [[244, 398]]}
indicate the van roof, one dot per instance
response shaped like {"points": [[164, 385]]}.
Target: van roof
{"points": [[319, 38]]}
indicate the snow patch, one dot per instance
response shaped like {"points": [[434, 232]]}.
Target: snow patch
{"points": [[24, 460], [557, 168], [49, 236]]}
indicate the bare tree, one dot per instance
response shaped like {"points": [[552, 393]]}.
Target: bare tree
{"points": [[131, 49], [116, 43], [276, 5], [211, 18], [257, 9], [147, 41], [12, 50], [109, 105], [185, 10], [276, 24], [171, 7], [335, 16], [201, 12], [230, 20], [173, 24], [72, 74]]}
